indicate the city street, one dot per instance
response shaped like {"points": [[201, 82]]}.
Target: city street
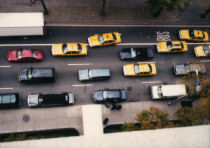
{"points": [[102, 57]]}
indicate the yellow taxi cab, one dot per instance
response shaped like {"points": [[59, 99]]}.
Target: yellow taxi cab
{"points": [[202, 51], [193, 35], [140, 69], [104, 39], [69, 49], [172, 46]]}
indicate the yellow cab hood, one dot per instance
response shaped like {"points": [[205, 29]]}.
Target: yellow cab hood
{"points": [[57, 49], [162, 46], [199, 51], [93, 40], [128, 69], [184, 34]]}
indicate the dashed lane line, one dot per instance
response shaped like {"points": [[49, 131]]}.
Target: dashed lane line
{"points": [[81, 85], [151, 82], [6, 88], [79, 64], [204, 61], [5, 66]]}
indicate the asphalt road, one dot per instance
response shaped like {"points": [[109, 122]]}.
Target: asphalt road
{"points": [[103, 57]]}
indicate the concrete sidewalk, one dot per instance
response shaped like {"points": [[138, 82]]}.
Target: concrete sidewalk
{"points": [[77, 116], [117, 12]]}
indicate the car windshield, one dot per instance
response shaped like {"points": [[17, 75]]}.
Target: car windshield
{"points": [[90, 73], [79, 47], [206, 50], [192, 35], [5, 99], [114, 37], [169, 45], [35, 53], [105, 94], [133, 53], [13, 98], [136, 69], [100, 38], [64, 48], [159, 92], [19, 54], [29, 75]]}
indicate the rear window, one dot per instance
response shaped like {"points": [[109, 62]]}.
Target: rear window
{"points": [[6, 99]]}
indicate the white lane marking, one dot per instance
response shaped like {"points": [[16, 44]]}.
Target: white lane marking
{"points": [[152, 82], [79, 64], [146, 62], [26, 45], [204, 61], [80, 85], [5, 88], [5, 66], [125, 44], [197, 43]]}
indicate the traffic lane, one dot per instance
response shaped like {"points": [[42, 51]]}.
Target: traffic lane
{"points": [[81, 34], [108, 57]]}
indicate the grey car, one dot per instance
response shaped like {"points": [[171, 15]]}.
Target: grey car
{"points": [[184, 69], [94, 74], [109, 95]]}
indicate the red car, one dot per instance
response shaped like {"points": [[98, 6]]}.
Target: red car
{"points": [[25, 55]]}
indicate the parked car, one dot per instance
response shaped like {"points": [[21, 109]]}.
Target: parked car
{"points": [[202, 51], [168, 91], [10, 100], [34, 75], [25, 55], [172, 46], [69, 49], [139, 69], [184, 69], [44, 100], [94, 74], [104, 39], [136, 54], [109, 95], [193, 35]]}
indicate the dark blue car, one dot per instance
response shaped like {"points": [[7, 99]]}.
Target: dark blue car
{"points": [[109, 95]]}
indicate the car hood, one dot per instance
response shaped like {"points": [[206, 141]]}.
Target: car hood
{"points": [[98, 96], [128, 69], [179, 70], [33, 100], [83, 75], [12, 55], [23, 74], [125, 54], [184, 34], [162, 46], [199, 51], [93, 40], [57, 49]]}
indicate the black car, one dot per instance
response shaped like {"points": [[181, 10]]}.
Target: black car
{"points": [[94, 74], [136, 54], [10, 100], [109, 95], [44, 100], [34, 75], [184, 69]]}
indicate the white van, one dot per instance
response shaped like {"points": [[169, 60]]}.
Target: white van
{"points": [[168, 91]]}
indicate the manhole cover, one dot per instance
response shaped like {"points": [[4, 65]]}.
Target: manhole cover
{"points": [[129, 88], [26, 118]]}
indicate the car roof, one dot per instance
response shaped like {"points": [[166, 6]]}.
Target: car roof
{"points": [[101, 72]]}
